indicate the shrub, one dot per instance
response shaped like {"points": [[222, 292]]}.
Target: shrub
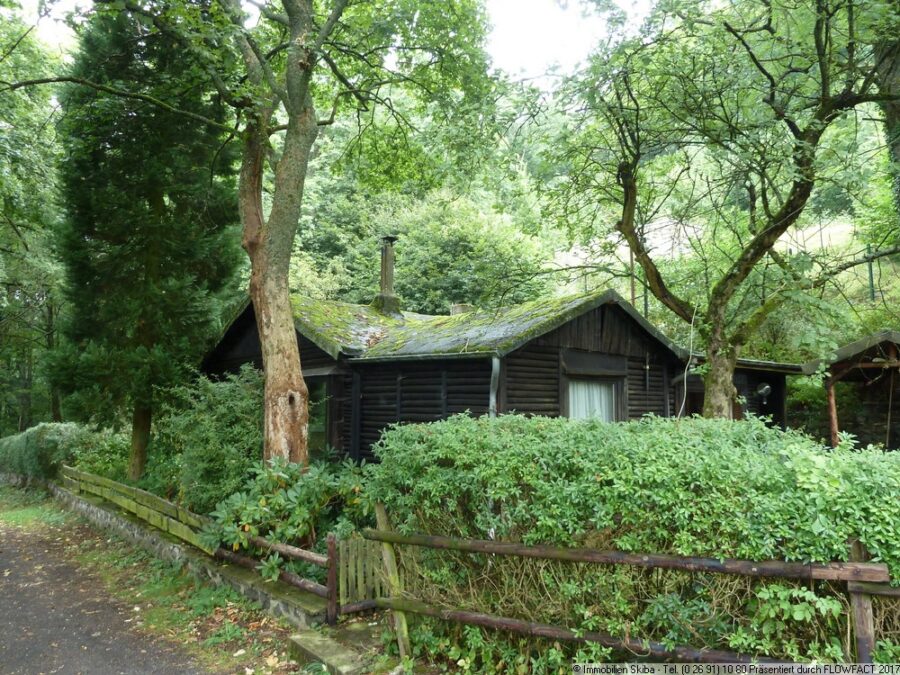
{"points": [[292, 504], [208, 437], [38, 452], [104, 453], [692, 487]]}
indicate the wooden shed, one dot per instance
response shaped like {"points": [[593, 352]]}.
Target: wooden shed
{"points": [[369, 366], [869, 367]]}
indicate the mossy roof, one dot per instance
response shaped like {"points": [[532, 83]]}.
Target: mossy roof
{"points": [[362, 332]]}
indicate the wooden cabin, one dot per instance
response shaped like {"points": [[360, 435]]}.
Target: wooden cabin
{"points": [[868, 371], [594, 355]]}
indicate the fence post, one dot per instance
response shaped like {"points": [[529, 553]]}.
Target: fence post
{"points": [[861, 611], [331, 613], [393, 579]]}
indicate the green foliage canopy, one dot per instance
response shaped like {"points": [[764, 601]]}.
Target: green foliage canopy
{"points": [[149, 240]]}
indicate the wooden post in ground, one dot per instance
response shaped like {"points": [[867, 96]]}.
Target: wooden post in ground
{"points": [[331, 612], [393, 579], [832, 412], [861, 611]]}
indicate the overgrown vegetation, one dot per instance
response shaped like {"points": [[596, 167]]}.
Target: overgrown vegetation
{"points": [[38, 452], [295, 505], [694, 487], [207, 439]]}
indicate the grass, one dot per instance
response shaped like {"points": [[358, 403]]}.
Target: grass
{"points": [[24, 508], [220, 629]]}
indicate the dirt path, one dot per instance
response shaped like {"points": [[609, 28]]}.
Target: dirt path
{"points": [[55, 617]]}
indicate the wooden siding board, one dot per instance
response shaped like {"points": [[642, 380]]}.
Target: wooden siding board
{"points": [[418, 392]]}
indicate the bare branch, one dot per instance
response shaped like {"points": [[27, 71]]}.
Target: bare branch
{"points": [[122, 93], [330, 23]]}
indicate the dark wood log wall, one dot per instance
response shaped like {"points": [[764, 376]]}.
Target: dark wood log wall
{"points": [[413, 392], [532, 374], [646, 388], [877, 405], [746, 381], [531, 381]]}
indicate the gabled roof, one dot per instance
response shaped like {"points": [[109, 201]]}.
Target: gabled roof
{"points": [[854, 349], [363, 333]]}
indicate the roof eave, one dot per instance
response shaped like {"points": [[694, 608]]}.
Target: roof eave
{"points": [[607, 297], [437, 356], [853, 349]]}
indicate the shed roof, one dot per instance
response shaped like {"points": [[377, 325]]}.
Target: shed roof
{"points": [[854, 349]]}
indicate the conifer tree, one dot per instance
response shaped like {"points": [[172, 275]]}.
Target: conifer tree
{"points": [[150, 242]]}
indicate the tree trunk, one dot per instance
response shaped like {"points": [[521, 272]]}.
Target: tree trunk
{"points": [[25, 384], [55, 405], [888, 56], [50, 333], [268, 242], [140, 439], [720, 394]]}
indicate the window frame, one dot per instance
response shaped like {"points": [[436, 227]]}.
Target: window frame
{"points": [[578, 364]]}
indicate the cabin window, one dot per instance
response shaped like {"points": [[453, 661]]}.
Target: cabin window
{"points": [[593, 399]]}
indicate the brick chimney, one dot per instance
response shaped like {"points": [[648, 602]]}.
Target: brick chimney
{"points": [[386, 302]]}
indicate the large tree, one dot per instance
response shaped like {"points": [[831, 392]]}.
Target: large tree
{"points": [[713, 127], [29, 276], [287, 75], [150, 237]]}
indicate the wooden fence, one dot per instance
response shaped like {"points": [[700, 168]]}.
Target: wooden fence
{"points": [[362, 573], [160, 513], [863, 579], [186, 525]]}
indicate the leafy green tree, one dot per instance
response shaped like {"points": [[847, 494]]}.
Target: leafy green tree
{"points": [[149, 240], [451, 250], [716, 125], [30, 278], [298, 68]]}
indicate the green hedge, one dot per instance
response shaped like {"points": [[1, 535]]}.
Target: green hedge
{"points": [[692, 487], [39, 451]]}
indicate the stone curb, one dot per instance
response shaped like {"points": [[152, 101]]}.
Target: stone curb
{"points": [[310, 646]]}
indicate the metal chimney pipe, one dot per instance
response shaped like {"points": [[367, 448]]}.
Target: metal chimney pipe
{"points": [[387, 265], [386, 302]]}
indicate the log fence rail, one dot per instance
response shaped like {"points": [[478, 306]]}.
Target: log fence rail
{"points": [[185, 525], [864, 579], [362, 573]]}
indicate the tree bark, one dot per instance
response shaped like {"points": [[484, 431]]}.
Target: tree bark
{"points": [[140, 439], [720, 393], [25, 384], [50, 332], [268, 243], [887, 55]]}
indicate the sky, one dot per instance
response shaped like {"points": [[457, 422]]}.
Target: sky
{"points": [[528, 40]]}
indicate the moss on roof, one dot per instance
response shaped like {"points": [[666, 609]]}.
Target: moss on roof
{"points": [[361, 331]]}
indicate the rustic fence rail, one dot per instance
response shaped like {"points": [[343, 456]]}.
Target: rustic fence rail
{"points": [[185, 525], [150, 508], [362, 573], [864, 579]]}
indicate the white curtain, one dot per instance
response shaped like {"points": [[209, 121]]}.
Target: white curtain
{"points": [[592, 398]]}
